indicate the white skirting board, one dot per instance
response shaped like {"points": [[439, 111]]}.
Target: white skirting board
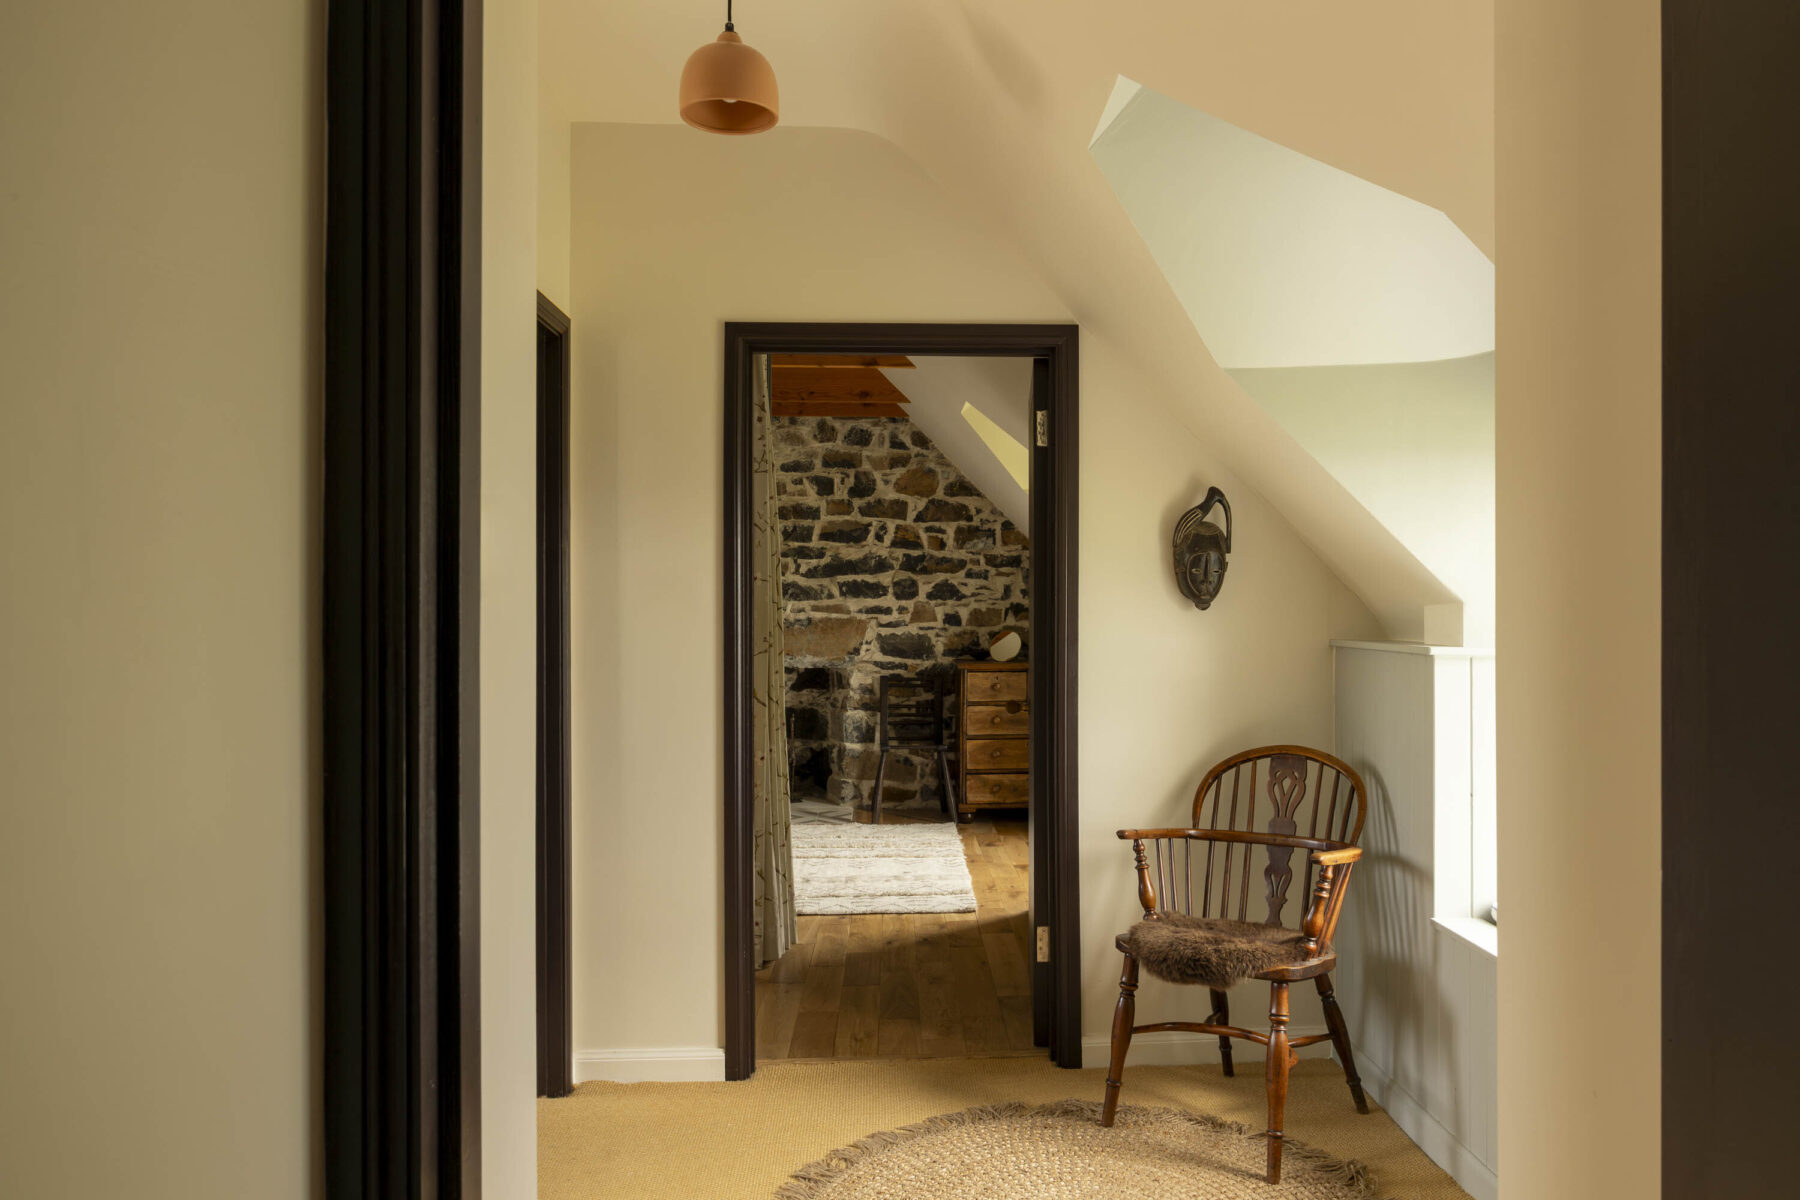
{"points": [[706, 1064], [1428, 1133], [1175, 1049], [657, 1064]]}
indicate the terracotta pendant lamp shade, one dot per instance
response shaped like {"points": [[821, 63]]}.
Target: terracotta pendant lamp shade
{"points": [[727, 87]]}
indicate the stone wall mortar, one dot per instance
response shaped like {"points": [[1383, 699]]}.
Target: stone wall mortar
{"points": [[893, 562]]}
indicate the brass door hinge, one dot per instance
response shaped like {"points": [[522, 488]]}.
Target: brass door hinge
{"points": [[1043, 427], [1043, 943]]}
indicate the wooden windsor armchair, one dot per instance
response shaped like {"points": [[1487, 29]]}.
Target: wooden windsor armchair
{"points": [[1313, 803]]}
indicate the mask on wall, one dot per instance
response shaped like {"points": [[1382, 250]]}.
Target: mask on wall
{"points": [[1201, 549]]}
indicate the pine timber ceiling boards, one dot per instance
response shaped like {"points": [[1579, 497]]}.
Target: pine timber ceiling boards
{"points": [[836, 385]]}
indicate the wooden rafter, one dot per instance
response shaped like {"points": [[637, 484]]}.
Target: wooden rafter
{"points": [[815, 391]]}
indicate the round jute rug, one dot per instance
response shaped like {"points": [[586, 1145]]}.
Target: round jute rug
{"points": [[1060, 1152]]}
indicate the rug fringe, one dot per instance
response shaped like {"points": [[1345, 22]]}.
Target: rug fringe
{"points": [[811, 1181]]}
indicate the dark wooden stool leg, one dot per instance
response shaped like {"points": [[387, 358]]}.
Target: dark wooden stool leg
{"points": [[875, 797], [1340, 1040], [1221, 1015], [947, 803], [1123, 1017], [1280, 1060]]}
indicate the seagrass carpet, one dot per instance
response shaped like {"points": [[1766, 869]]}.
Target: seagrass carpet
{"points": [[1060, 1152], [744, 1141]]}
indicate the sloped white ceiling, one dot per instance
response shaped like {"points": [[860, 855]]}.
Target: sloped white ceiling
{"points": [[997, 101], [1285, 261], [1000, 388]]}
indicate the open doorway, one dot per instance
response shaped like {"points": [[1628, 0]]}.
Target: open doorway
{"points": [[900, 628], [900, 492]]}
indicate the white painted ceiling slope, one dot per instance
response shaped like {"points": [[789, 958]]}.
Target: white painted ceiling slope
{"points": [[997, 101], [939, 387], [1282, 260]]}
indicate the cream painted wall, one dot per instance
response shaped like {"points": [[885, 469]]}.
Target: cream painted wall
{"points": [[553, 209], [1579, 492], [674, 233], [509, 214], [160, 248]]}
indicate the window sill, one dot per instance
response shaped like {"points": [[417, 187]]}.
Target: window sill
{"points": [[1483, 935]]}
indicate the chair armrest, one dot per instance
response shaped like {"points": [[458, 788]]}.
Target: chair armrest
{"points": [[1146, 889], [1145, 835], [1320, 925]]}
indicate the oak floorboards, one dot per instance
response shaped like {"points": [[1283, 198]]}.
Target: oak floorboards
{"points": [[917, 985]]}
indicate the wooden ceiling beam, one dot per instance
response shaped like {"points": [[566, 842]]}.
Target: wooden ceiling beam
{"points": [[800, 391]]}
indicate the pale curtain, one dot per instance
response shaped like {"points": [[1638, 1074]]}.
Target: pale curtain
{"points": [[772, 853]]}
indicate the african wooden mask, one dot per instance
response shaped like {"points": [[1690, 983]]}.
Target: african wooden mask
{"points": [[1201, 549]]}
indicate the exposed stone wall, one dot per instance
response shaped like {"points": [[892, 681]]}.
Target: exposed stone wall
{"points": [[892, 563]]}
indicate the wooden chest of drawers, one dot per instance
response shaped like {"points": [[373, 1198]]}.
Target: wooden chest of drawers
{"points": [[993, 736]]}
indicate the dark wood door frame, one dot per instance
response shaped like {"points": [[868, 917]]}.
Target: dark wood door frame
{"points": [[401, 578], [1054, 526], [555, 1004], [1731, 575]]}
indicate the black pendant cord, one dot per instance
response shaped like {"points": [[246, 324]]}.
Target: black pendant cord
{"points": [[728, 25]]}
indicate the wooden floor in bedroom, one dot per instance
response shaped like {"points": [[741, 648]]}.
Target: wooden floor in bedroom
{"points": [[916, 985]]}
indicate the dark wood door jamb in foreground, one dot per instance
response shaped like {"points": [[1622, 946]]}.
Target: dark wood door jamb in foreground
{"points": [[1054, 525], [555, 1001], [1730, 590], [401, 572]]}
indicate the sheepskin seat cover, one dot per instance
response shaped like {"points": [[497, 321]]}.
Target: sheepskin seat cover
{"points": [[1217, 953]]}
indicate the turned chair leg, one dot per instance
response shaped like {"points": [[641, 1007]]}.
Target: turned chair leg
{"points": [[1340, 1041], [1221, 1015], [1279, 1061], [1123, 1017], [875, 798]]}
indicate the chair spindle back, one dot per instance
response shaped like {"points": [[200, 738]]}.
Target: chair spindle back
{"points": [[1284, 791]]}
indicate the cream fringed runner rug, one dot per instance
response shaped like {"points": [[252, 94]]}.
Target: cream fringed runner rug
{"points": [[1060, 1152], [849, 868]]}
